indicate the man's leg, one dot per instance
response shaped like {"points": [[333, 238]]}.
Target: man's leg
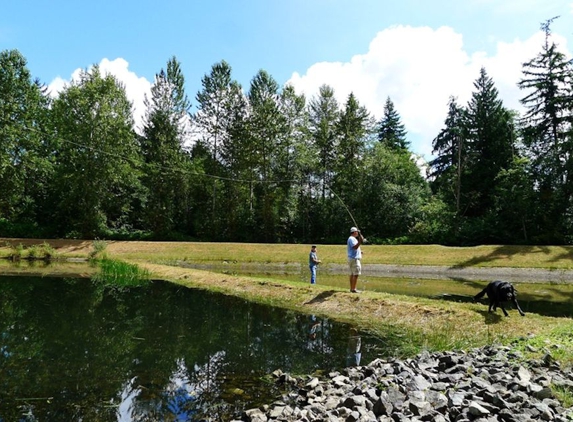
{"points": [[353, 282], [313, 274]]}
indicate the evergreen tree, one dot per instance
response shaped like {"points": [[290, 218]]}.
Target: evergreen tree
{"points": [[391, 131], [445, 171], [166, 163], [547, 135], [292, 165], [490, 145]]}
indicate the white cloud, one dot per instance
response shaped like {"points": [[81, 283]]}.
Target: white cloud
{"points": [[136, 87], [419, 69]]}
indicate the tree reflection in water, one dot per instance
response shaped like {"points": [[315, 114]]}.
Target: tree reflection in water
{"points": [[72, 350]]}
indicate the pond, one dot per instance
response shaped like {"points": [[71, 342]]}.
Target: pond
{"points": [[549, 299], [71, 349]]}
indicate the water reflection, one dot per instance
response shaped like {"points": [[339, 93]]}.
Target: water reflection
{"points": [[354, 348], [72, 350]]}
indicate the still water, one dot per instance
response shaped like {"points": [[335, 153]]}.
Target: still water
{"points": [[549, 299], [73, 350]]}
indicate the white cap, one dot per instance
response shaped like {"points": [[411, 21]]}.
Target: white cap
{"points": [[353, 229]]}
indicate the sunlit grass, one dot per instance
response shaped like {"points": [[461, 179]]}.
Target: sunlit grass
{"points": [[120, 274], [552, 257]]}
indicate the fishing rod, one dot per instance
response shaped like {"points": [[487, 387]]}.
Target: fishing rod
{"points": [[347, 210]]}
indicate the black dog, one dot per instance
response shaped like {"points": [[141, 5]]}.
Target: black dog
{"points": [[499, 292]]}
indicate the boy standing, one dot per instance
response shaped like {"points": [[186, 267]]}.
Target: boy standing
{"points": [[313, 262]]}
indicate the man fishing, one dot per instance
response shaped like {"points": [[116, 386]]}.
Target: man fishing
{"points": [[354, 256]]}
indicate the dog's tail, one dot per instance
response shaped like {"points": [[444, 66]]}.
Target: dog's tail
{"points": [[480, 294]]}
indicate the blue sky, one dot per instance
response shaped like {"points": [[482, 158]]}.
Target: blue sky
{"points": [[415, 51]]}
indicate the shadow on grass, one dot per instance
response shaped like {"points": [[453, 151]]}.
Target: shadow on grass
{"points": [[321, 297], [507, 251], [567, 254], [490, 317]]}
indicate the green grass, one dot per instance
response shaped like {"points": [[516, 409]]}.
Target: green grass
{"points": [[120, 274], [550, 257], [525, 256]]}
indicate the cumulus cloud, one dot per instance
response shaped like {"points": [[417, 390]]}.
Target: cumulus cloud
{"points": [[419, 68], [136, 87]]}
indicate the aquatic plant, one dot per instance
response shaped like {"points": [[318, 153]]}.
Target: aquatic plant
{"points": [[17, 251], [120, 274]]}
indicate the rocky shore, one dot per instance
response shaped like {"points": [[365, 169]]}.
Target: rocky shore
{"points": [[488, 384]]}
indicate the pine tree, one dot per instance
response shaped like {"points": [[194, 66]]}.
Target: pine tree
{"points": [[391, 131], [547, 134], [445, 171], [490, 146]]}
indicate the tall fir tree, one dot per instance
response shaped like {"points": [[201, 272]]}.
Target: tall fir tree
{"points": [[547, 136], [391, 131], [445, 171], [489, 136], [267, 126]]}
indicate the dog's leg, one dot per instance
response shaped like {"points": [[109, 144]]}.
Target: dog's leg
{"points": [[491, 304], [503, 308], [518, 308]]}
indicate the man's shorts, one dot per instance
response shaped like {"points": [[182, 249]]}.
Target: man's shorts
{"points": [[355, 267]]}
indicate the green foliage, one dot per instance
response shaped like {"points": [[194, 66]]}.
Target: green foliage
{"points": [[166, 162], [47, 251], [17, 252], [114, 273], [97, 178], [25, 165], [391, 130], [268, 166]]}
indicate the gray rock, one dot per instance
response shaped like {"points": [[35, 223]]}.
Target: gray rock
{"points": [[475, 409], [256, 415]]}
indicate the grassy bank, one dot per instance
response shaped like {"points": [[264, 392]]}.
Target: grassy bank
{"points": [[407, 324], [557, 257]]}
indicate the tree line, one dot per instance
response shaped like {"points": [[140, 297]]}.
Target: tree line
{"points": [[265, 164]]}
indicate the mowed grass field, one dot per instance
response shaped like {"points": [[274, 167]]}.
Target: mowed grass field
{"points": [[551, 257]]}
